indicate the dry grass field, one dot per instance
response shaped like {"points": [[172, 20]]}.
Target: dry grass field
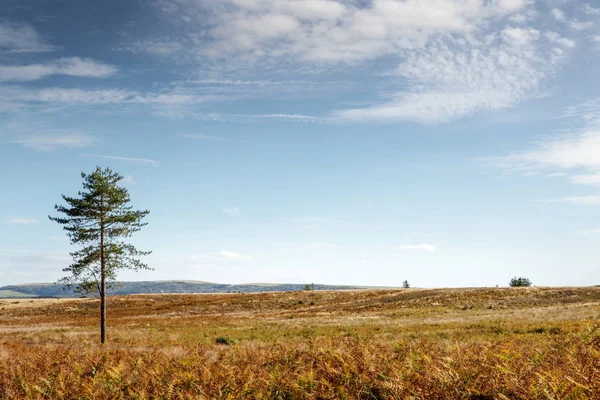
{"points": [[518, 343]]}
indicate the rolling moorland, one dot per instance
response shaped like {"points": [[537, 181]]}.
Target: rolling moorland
{"points": [[496, 343], [151, 287]]}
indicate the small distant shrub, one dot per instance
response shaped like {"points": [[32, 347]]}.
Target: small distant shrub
{"points": [[309, 286], [405, 284], [224, 340], [519, 282]]}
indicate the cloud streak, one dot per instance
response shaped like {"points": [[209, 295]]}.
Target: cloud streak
{"points": [[451, 78], [140, 161], [577, 151], [579, 200], [451, 60], [21, 38], [52, 141], [71, 66], [221, 257]]}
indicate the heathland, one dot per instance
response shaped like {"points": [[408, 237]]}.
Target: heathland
{"points": [[498, 343]]}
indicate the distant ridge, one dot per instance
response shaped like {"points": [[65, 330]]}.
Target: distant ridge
{"points": [[154, 287]]}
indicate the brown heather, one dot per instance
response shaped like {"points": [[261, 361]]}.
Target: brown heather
{"points": [[519, 343]]}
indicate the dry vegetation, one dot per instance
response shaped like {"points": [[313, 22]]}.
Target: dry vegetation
{"points": [[520, 343]]}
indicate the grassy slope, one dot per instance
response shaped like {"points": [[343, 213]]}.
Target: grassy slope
{"points": [[55, 290], [11, 294], [522, 343]]}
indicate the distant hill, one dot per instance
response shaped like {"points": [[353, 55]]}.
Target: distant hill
{"points": [[153, 287]]}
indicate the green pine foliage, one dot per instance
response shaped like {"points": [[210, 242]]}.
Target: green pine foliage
{"points": [[519, 282], [98, 220]]}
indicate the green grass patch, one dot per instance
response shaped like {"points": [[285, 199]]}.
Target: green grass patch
{"points": [[12, 294]]}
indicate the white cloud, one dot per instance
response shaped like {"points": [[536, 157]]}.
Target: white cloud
{"points": [[428, 248], [155, 47], [591, 10], [581, 200], [141, 161], [596, 39], [556, 175], [451, 78], [72, 66], [580, 26], [590, 231], [295, 117], [556, 38], [454, 57], [220, 257], [558, 15], [589, 179], [232, 212], [15, 37], [328, 31], [128, 180], [231, 255], [51, 141], [577, 151], [169, 100], [23, 221], [572, 23]]}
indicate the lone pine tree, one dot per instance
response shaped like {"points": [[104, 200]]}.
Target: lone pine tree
{"points": [[96, 221]]}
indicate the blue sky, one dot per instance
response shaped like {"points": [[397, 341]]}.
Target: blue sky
{"points": [[446, 142]]}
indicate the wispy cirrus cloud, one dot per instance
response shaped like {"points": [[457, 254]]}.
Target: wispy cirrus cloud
{"points": [[21, 38], [154, 47], [451, 78], [589, 10], [72, 66], [590, 231], [172, 103], [140, 161], [324, 31], [572, 23], [129, 180], [23, 221], [576, 152], [53, 140], [221, 256], [580, 200], [453, 57], [73, 96]]}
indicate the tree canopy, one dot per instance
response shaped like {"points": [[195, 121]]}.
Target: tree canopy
{"points": [[98, 220]]}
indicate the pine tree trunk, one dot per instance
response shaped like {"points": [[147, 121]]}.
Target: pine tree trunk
{"points": [[102, 279], [102, 307]]}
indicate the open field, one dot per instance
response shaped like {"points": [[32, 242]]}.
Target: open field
{"points": [[11, 294], [519, 343]]}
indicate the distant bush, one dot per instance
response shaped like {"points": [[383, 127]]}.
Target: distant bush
{"points": [[405, 285], [225, 340], [519, 282]]}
